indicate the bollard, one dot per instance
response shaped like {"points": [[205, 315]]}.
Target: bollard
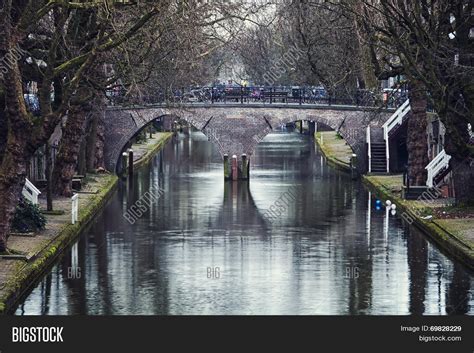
{"points": [[74, 208], [130, 162], [175, 128], [354, 166], [234, 168], [124, 163], [226, 167], [244, 167]]}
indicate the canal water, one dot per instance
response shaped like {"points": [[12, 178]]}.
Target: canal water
{"points": [[205, 246]]}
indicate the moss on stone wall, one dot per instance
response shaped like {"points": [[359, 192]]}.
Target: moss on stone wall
{"points": [[27, 274], [331, 159], [148, 156], [443, 237]]}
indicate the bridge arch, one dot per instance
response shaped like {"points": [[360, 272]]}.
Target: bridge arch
{"points": [[120, 131], [238, 129]]}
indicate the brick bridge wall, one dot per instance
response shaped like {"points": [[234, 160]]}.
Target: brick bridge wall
{"points": [[238, 129]]}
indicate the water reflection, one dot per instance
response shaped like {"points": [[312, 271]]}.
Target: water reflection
{"points": [[330, 252]]}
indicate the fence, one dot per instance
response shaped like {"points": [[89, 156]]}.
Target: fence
{"points": [[261, 94], [30, 192]]}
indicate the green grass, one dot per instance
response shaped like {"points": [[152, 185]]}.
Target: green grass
{"points": [[334, 147]]}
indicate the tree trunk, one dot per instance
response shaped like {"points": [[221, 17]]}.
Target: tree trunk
{"points": [[12, 179], [99, 146], [49, 186], [66, 160], [16, 154], [463, 180], [457, 146], [81, 162], [417, 143], [91, 143], [3, 125], [461, 163]]}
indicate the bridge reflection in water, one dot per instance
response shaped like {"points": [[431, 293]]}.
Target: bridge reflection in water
{"points": [[206, 247]]}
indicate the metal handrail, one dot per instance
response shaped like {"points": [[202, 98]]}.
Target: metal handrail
{"points": [[369, 147], [30, 192], [394, 120], [438, 163], [264, 94]]}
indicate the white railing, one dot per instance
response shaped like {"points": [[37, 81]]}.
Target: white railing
{"points": [[368, 146], [74, 208], [394, 120], [438, 163], [30, 192]]}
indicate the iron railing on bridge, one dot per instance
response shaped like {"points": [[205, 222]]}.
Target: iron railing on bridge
{"points": [[265, 95]]}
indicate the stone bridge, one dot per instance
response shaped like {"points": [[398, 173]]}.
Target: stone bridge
{"points": [[236, 129]]}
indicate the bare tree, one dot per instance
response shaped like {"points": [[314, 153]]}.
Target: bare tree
{"points": [[431, 43], [39, 28], [327, 37]]}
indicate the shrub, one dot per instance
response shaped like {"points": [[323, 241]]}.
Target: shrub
{"points": [[28, 217]]}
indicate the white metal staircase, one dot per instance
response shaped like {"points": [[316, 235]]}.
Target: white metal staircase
{"points": [[437, 165], [30, 192], [378, 145], [395, 120], [369, 145]]}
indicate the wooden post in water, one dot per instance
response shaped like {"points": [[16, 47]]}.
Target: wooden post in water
{"points": [[354, 166], [312, 129], [235, 169], [226, 167], [130, 162], [245, 174], [123, 172]]}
